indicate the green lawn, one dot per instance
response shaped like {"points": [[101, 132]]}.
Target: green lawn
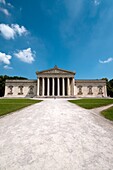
{"points": [[92, 103], [11, 105], [108, 114]]}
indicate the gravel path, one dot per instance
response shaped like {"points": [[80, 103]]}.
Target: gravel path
{"points": [[55, 135], [99, 109]]}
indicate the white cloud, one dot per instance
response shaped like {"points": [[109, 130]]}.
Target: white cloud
{"points": [[8, 67], [20, 30], [3, 2], [97, 2], [106, 61], [5, 11], [26, 55], [5, 58], [10, 5], [9, 32]]}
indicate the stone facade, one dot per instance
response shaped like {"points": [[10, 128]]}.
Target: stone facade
{"points": [[20, 88], [90, 88], [55, 82]]}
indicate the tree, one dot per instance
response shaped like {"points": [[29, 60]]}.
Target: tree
{"points": [[109, 84], [111, 88]]}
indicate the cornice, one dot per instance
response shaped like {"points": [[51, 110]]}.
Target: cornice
{"points": [[55, 71], [21, 81], [91, 81]]}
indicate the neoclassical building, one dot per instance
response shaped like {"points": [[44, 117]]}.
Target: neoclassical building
{"points": [[55, 82]]}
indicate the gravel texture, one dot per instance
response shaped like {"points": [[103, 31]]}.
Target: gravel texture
{"points": [[100, 109], [55, 135]]}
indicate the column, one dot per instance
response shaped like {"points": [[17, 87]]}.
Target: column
{"points": [[63, 87], [73, 86], [43, 86], [68, 89], [38, 88], [47, 86], [105, 91], [53, 86], [58, 90]]}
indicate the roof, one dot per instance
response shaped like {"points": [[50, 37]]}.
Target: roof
{"points": [[55, 70]]}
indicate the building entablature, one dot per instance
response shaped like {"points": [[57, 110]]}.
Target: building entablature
{"points": [[21, 81], [55, 76], [91, 81], [55, 72]]}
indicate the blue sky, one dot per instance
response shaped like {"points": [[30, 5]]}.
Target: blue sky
{"points": [[76, 35]]}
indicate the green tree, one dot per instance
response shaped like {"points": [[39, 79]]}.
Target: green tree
{"points": [[110, 88]]}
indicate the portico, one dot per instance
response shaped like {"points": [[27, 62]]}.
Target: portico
{"points": [[55, 82]]}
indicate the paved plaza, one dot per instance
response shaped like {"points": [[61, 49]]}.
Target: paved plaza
{"points": [[55, 135]]}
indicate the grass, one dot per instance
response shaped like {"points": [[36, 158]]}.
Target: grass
{"points": [[108, 114], [92, 103], [11, 105]]}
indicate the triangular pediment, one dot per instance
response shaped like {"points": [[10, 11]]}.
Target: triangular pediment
{"points": [[55, 70]]}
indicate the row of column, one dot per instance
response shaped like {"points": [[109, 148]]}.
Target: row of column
{"points": [[70, 87]]}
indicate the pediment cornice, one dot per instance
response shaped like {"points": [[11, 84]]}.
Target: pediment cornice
{"points": [[55, 71]]}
